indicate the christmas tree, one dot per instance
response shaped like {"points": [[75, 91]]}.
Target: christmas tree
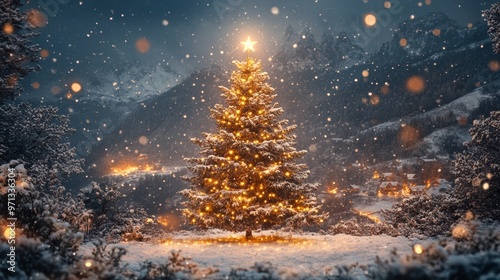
{"points": [[246, 177]]}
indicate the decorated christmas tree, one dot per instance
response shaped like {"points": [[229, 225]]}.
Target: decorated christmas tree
{"points": [[246, 177]]}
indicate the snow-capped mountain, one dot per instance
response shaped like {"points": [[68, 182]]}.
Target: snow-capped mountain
{"points": [[427, 35], [303, 52], [355, 118], [341, 52], [162, 126], [130, 83]]}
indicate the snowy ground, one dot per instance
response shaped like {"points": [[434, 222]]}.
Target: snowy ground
{"points": [[302, 253]]}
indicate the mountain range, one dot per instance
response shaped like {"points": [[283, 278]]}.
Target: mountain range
{"points": [[413, 98]]}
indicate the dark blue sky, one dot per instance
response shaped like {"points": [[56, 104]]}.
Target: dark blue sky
{"points": [[82, 35]]}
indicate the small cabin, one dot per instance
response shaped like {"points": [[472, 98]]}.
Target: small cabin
{"points": [[352, 189], [415, 190], [391, 188]]}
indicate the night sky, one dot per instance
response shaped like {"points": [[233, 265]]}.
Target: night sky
{"points": [[84, 35]]}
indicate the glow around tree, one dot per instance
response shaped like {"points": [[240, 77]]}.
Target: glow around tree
{"points": [[246, 177]]}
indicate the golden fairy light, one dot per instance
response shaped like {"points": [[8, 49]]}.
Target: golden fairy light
{"points": [[248, 45], [88, 263], [418, 249], [7, 233], [460, 231]]}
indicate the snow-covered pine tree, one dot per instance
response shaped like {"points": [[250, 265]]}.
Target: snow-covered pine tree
{"points": [[38, 137], [16, 51], [478, 169], [246, 177], [492, 17]]}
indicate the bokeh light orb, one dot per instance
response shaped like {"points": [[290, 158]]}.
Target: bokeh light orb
{"points": [[55, 90], [44, 53], [8, 28], [408, 136], [76, 87], [142, 45], [494, 66], [37, 19], [415, 84], [403, 42], [143, 140], [370, 20]]}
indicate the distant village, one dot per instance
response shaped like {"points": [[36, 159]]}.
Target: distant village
{"points": [[142, 167], [429, 179]]}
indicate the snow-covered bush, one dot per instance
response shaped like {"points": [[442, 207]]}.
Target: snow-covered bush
{"points": [[37, 136], [177, 267], [424, 215], [46, 233], [353, 227], [478, 169], [112, 216], [104, 263], [478, 258]]}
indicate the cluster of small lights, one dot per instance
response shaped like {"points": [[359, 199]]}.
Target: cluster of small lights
{"points": [[238, 240], [249, 171]]}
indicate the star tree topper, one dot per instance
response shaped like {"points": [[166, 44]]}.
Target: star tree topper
{"points": [[248, 45]]}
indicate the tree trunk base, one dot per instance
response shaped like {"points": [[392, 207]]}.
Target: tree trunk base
{"points": [[248, 234]]}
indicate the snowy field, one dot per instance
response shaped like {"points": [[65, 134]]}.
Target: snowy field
{"points": [[293, 254]]}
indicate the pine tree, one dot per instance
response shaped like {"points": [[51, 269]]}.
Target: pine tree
{"points": [[16, 51], [478, 169], [246, 177], [492, 17], [38, 137]]}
